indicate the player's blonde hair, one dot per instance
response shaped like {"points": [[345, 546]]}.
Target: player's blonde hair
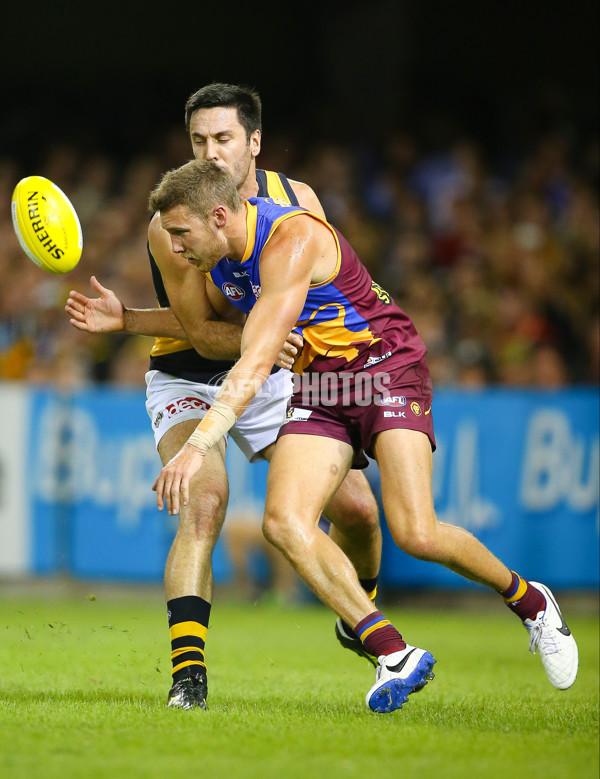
{"points": [[199, 185]]}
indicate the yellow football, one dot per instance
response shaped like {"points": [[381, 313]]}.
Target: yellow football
{"points": [[46, 224]]}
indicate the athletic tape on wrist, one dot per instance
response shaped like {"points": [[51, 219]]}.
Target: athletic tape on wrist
{"points": [[217, 421]]}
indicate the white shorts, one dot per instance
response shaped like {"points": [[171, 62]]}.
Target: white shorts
{"points": [[171, 400]]}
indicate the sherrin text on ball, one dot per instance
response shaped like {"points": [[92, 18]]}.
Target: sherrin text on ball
{"points": [[46, 224]]}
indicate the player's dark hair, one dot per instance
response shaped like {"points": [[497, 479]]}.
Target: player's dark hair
{"points": [[200, 185], [245, 100]]}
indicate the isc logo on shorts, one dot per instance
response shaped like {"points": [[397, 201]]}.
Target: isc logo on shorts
{"points": [[185, 404], [233, 291]]}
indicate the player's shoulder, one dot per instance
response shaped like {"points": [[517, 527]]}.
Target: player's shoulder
{"points": [[307, 197], [289, 231]]}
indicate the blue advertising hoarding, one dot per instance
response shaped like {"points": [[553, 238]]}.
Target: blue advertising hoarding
{"points": [[517, 469]]}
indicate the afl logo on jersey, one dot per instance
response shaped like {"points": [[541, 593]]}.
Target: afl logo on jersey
{"points": [[233, 291]]}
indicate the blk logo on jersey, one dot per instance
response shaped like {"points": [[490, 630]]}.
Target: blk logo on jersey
{"points": [[232, 291]]}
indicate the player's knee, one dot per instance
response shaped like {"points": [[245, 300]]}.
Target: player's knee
{"points": [[362, 514], [357, 513], [275, 528], [282, 530], [421, 542], [203, 517]]}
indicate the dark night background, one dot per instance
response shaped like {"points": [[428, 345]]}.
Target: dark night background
{"points": [[454, 144], [112, 75]]}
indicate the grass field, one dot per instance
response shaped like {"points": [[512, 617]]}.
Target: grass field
{"points": [[84, 681]]}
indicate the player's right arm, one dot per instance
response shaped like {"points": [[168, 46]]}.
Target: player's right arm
{"points": [[108, 314], [191, 315]]}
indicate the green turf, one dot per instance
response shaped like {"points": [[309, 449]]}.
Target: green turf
{"points": [[83, 685]]}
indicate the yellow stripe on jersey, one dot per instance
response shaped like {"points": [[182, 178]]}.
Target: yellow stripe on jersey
{"points": [[372, 594], [275, 187], [251, 217], [180, 629], [164, 345]]}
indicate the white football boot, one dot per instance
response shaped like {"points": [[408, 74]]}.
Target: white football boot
{"points": [[397, 676], [550, 636]]}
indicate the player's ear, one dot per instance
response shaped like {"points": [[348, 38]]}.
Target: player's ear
{"points": [[219, 214], [255, 143]]}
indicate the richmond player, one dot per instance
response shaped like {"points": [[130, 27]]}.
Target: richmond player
{"points": [[224, 124]]}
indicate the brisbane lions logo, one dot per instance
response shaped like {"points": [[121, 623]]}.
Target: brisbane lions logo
{"points": [[233, 291]]}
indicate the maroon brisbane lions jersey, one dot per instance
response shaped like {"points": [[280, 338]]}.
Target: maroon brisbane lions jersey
{"points": [[362, 369], [348, 322]]}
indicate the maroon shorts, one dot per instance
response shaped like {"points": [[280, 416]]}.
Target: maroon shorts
{"points": [[353, 409]]}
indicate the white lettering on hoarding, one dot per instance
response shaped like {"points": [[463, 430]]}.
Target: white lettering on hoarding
{"points": [[466, 506], [77, 463], [558, 465]]}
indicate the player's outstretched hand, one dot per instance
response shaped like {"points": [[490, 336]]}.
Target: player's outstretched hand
{"points": [[105, 314], [289, 351], [173, 483]]}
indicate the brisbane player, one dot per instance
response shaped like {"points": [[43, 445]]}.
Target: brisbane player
{"points": [[298, 272]]}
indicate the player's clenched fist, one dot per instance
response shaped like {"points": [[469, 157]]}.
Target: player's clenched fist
{"points": [[173, 483]]}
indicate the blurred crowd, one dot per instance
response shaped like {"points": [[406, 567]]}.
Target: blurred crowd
{"points": [[496, 260]]}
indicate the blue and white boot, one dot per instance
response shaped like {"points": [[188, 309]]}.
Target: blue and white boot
{"points": [[397, 676]]}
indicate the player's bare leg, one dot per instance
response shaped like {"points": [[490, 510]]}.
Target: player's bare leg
{"points": [[353, 512], [298, 489], [405, 464], [354, 516], [189, 565], [355, 528], [188, 572], [299, 486]]}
